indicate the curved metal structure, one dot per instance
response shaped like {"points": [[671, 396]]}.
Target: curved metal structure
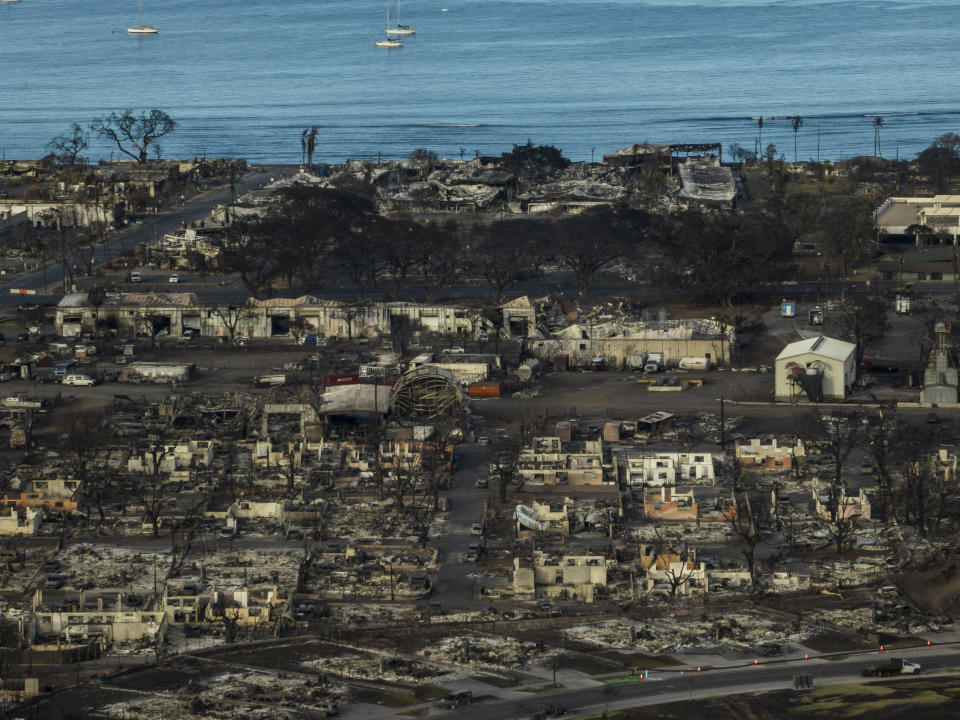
{"points": [[427, 392]]}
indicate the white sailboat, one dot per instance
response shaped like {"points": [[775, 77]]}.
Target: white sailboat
{"points": [[400, 29], [389, 42], [141, 28]]}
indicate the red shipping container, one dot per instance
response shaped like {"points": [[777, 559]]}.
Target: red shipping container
{"points": [[341, 379], [487, 389]]}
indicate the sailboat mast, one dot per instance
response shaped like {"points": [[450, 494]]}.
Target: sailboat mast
{"points": [[140, 13]]}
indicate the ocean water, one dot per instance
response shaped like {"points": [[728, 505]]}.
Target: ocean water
{"points": [[590, 76]]}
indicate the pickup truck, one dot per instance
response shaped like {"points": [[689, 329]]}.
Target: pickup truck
{"points": [[893, 666]]}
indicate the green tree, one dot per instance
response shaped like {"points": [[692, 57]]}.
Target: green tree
{"points": [[941, 161], [534, 163], [133, 134], [311, 145]]}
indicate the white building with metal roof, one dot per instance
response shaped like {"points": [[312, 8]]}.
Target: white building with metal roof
{"points": [[815, 369]]}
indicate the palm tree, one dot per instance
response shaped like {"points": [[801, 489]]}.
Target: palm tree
{"points": [[760, 128], [796, 123], [877, 124], [311, 146]]}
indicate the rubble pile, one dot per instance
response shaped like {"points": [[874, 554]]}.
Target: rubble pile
{"points": [[98, 566], [236, 568], [886, 617], [738, 632], [478, 650], [368, 666]]}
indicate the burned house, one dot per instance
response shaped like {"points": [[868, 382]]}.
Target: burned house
{"points": [[652, 468], [768, 454], [158, 314], [548, 461], [616, 342], [573, 577]]}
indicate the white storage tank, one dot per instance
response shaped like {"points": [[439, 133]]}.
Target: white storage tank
{"points": [[637, 360], [694, 363], [528, 370]]}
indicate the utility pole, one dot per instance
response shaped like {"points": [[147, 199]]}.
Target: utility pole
{"points": [[723, 429]]}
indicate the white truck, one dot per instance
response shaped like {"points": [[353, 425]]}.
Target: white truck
{"points": [[637, 360], [654, 363], [893, 666]]}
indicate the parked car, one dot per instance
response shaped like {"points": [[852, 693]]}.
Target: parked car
{"points": [[79, 381], [484, 439], [476, 529], [482, 483], [175, 278]]}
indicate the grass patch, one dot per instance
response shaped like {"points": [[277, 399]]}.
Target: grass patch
{"points": [[927, 698], [589, 664], [549, 687], [498, 681], [857, 689], [427, 692], [931, 697], [390, 698], [635, 659]]}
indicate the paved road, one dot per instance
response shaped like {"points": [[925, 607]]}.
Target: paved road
{"points": [[664, 687], [452, 587], [197, 209]]}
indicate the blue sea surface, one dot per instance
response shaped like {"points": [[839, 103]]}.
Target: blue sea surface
{"points": [[590, 76]]}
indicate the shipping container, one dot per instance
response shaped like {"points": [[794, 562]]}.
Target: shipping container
{"points": [[341, 379], [611, 432], [484, 389]]}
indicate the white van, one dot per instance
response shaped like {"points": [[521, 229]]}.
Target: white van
{"points": [[81, 380]]}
